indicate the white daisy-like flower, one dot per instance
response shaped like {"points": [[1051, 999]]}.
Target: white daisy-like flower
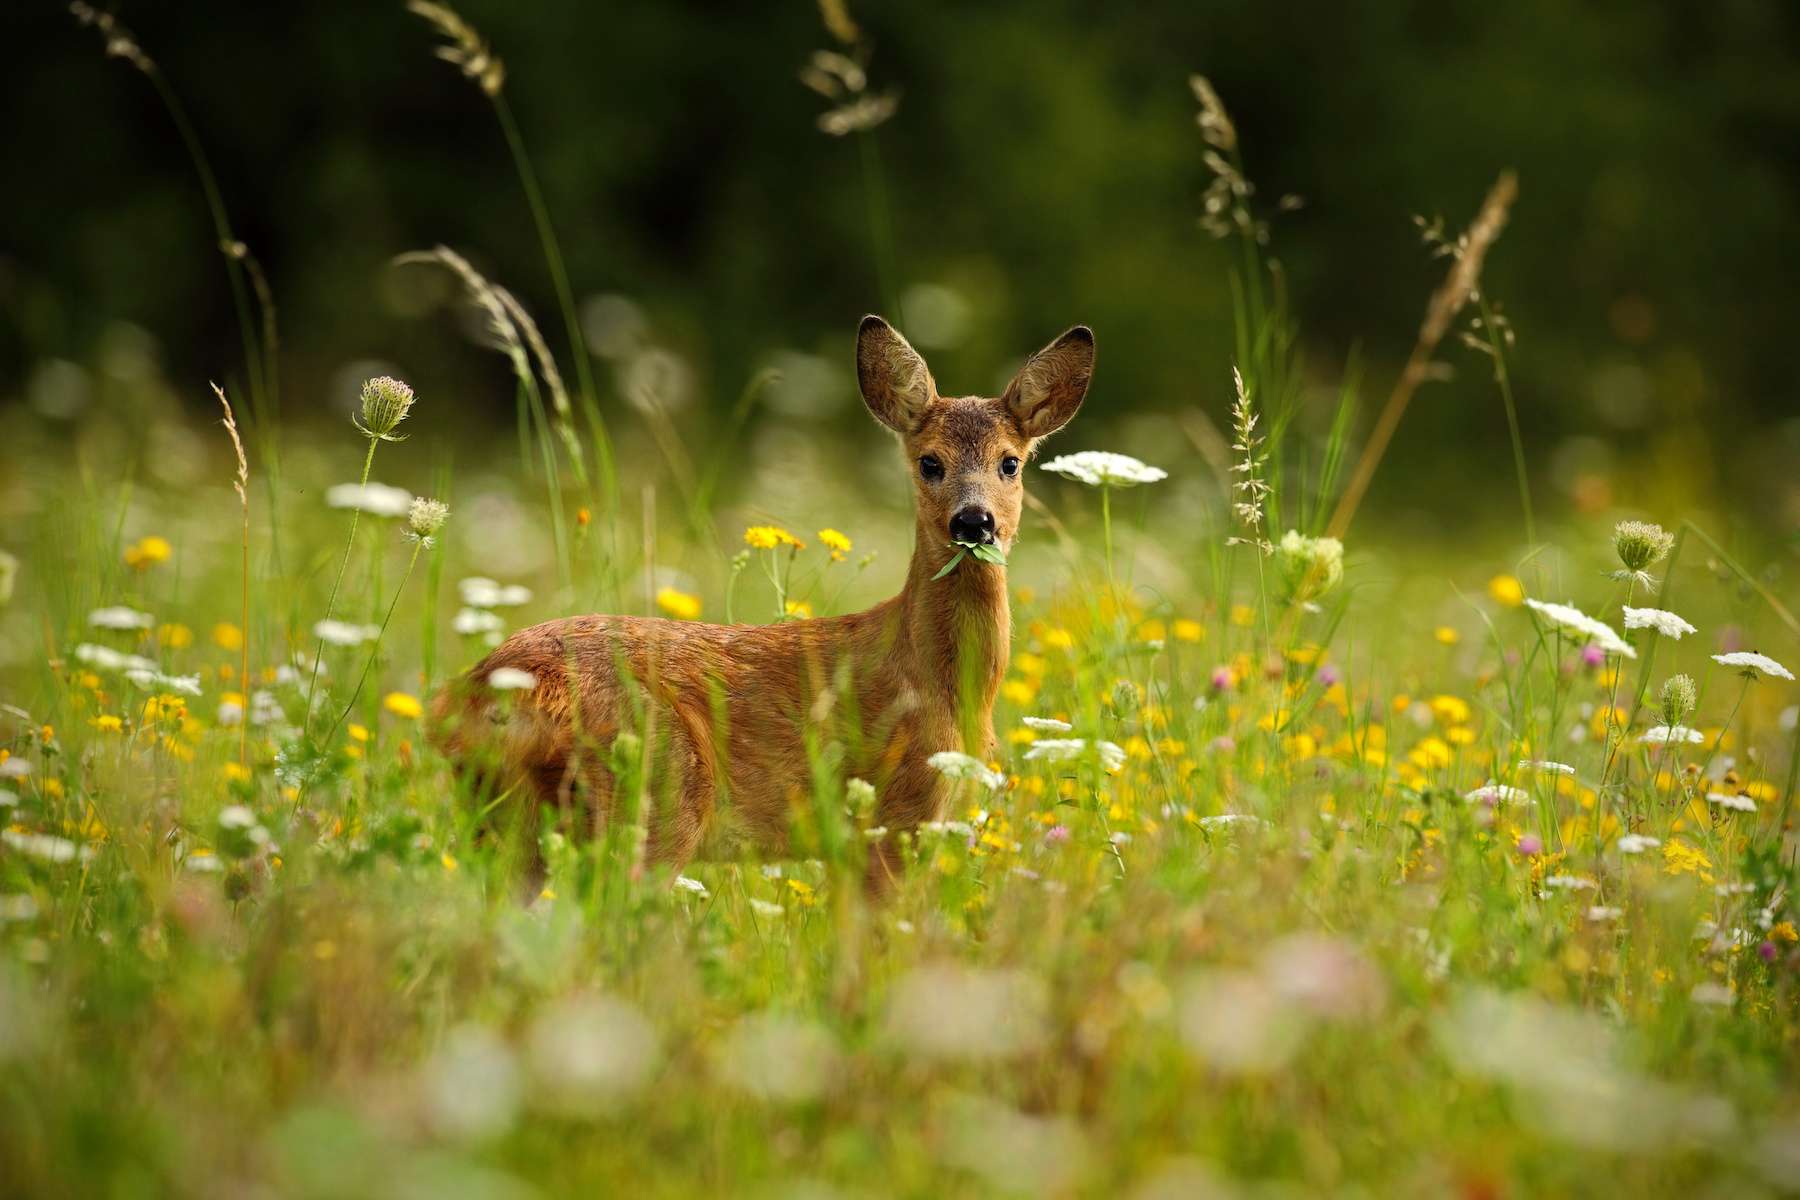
{"points": [[953, 764], [1637, 843], [1659, 619], [480, 592], [765, 908], [1727, 800], [1570, 883], [1498, 793], [9, 799], [471, 621], [1663, 735], [687, 884], [1604, 912], [105, 658], [376, 499], [153, 680], [1227, 820], [118, 616], [1568, 617], [511, 679], [45, 846], [1047, 724], [344, 633], [15, 768], [1545, 766], [1103, 468], [236, 816], [1753, 664], [1112, 755], [961, 829]]}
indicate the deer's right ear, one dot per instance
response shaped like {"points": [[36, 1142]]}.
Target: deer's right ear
{"points": [[895, 383]]}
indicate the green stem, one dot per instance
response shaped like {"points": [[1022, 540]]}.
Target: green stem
{"points": [[1512, 419], [375, 651], [331, 603]]}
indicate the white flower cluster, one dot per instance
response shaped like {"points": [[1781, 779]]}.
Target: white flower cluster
{"points": [[1103, 468], [1752, 664], [1659, 619], [376, 499], [1567, 616], [953, 764]]}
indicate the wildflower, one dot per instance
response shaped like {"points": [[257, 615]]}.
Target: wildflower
{"points": [[1640, 545], [175, 636], [510, 679], [1567, 616], [859, 798], [376, 499], [1221, 679], [424, 518], [343, 633], [1661, 620], [385, 403], [1545, 766], [1498, 793], [765, 908], [1678, 698], [1637, 843], [1663, 735], [1734, 802], [106, 658], [1506, 590], [147, 552], [401, 704], [1679, 858], [149, 680], [1570, 883], [837, 543], [1186, 629], [1047, 724], [1056, 835], [1310, 566], [1592, 656], [479, 592], [1103, 468], [769, 537], [678, 604], [1752, 663], [1604, 912], [227, 636], [107, 723], [952, 764], [472, 621], [120, 617], [799, 609], [1446, 636], [1530, 845], [47, 847], [685, 883]]}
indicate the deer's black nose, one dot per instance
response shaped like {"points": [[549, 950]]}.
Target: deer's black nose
{"points": [[972, 524]]}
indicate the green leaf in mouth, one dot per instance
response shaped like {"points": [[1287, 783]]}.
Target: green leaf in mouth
{"points": [[981, 550]]}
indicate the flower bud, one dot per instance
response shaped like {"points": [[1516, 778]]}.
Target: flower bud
{"points": [[1678, 699], [426, 517], [1640, 544], [385, 403]]}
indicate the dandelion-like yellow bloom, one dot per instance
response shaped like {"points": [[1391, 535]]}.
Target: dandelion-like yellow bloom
{"points": [[678, 604], [799, 608], [1186, 629], [768, 537], [402, 704], [175, 636], [1446, 635], [107, 723], [227, 636], [147, 552], [837, 543], [1507, 590]]}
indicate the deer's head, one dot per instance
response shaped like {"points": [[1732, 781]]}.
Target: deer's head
{"points": [[967, 454]]}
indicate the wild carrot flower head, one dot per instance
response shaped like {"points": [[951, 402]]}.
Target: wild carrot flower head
{"points": [[425, 517], [1678, 699], [1310, 566], [1103, 468], [1663, 621], [385, 403], [1641, 544], [1752, 664]]}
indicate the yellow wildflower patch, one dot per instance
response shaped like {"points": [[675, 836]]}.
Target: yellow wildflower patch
{"points": [[678, 604]]}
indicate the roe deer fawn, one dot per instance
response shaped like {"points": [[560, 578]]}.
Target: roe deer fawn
{"points": [[912, 676]]}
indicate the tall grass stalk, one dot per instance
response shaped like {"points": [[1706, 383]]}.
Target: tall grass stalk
{"points": [[241, 485]]}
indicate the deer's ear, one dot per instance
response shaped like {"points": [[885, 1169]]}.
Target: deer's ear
{"points": [[896, 384], [1048, 389]]}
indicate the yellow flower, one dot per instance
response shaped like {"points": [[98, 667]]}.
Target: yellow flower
{"points": [[768, 537], [1506, 590], [799, 608], [803, 892], [227, 636], [678, 604], [1679, 858], [403, 705], [358, 733], [1153, 630], [1785, 932], [147, 552], [175, 637], [1059, 639], [1243, 616], [1018, 691], [449, 861], [1187, 630], [837, 543], [1451, 710], [237, 772], [1446, 635]]}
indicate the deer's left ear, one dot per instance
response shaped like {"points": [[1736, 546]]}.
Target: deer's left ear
{"points": [[1048, 389]]}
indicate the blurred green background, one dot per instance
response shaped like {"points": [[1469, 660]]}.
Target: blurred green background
{"points": [[1043, 168]]}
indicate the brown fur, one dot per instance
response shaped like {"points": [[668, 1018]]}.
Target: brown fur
{"points": [[730, 705]]}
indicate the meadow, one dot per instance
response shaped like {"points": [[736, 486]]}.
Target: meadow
{"points": [[1313, 861]]}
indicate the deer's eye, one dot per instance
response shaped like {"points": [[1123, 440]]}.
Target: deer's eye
{"points": [[1009, 466], [930, 469]]}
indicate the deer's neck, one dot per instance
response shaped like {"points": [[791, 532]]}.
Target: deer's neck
{"points": [[959, 629]]}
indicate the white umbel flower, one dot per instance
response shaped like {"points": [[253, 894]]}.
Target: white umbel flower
{"points": [[120, 617], [1753, 664], [471, 621], [344, 633], [1727, 800], [1047, 724], [1567, 616], [511, 679], [953, 764], [1112, 755], [105, 658], [1103, 468], [1637, 843], [1663, 735], [1545, 766], [152, 681], [479, 592], [1659, 619], [376, 499], [1498, 793]]}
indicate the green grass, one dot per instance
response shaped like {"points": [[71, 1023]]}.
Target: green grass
{"points": [[1272, 937]]}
